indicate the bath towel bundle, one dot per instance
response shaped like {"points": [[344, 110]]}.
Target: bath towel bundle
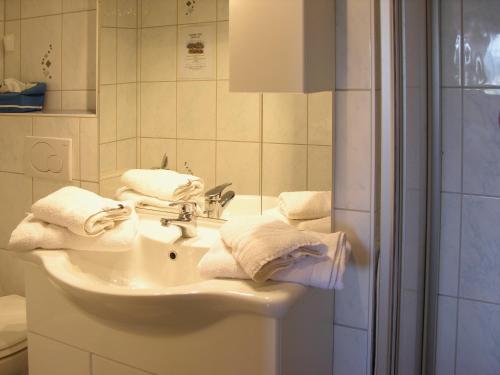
{"points": [[264, 248], [157, 188], [305, 205], [74, 218]]}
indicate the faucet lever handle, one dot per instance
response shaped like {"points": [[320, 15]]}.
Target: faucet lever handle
{"points": [[217, 191]]}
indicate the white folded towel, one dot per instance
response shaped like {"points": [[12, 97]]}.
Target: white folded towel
{"points": [[263, 245], [33, 234], [81, 211], [325, 273], [323, 225], [163, 184], [305, 205]]}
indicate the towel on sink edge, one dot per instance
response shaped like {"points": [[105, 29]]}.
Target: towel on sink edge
{"points": [[324, 273], [163, 184], [264, 245], [33, 233], [305, 205], [81, 211]]}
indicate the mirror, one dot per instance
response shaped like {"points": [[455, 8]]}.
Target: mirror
{"points": [[164, 90]]}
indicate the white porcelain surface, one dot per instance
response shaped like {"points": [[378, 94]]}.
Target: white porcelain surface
{"points": [[478, 338], [480, 258], [451, 140], [352, 303], [449, 252], [158, 109], [481, 169], [353, 152], [245, 205], [12, 133], [350, 351], [103, 366], [146, 284], [446, 335]]}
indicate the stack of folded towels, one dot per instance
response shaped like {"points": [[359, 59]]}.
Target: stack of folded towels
{"points": [[268, 248], [158, 188], [74, 218]]}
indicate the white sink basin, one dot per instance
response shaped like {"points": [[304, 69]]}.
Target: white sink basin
{"points": [[243, 205], [147, 283]]}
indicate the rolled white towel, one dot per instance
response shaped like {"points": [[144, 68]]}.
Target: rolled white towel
{"points": [[305, 205], [325, 273], [323, 225], [163, 184], [263, 245], [33, 234], [81, 211]]}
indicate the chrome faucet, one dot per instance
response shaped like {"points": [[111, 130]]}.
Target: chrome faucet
{"points": [[216, 201], [186, 221]]}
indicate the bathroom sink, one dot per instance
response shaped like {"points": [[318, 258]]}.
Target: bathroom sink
{"points": [[158, 279], [243, 205]]}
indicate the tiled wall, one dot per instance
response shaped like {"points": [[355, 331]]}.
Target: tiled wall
{"points": [[117, 90], [469, 273], [261, 143], [17, 191], [55, 42], [356, 165]]}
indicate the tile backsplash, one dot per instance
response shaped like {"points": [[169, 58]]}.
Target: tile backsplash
{"points": [[54, 42]]}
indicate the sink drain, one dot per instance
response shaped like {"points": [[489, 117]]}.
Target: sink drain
{"points": [[173, 255]]}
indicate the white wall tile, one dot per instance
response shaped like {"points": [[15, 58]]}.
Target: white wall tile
{"points": [[481, 154], [353, 57], [61, 127], [39, 37], [319, 170], [285, 118], [89, 149], [107, 159], [452, 140], [238, 114], [320, 116], [15, 198], [43, 187], [159, 12], [239, 163], [126, 152], [11, 273], [53, 101], [108, 12], [153, 149], [222, 50], [352, 303], [78, 5], [36, 8], [480, 256], [108, 187], [90, 186], [450, 39], [107, 113], [126, 13], [50, 357], [449, 253], [159, 53], [102, 366], [79, 100], [446, 335], [158, 109], [353, 150], [350, 351], [126, 114], [12, 60], [201, 162], [126, 59], [478, 338], [12, 9], [79, 51], [196, 109], [277, 174], [13, 130], [108, 56], [199, 11], [222, 10]]}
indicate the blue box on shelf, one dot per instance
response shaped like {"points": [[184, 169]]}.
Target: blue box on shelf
{"points": [[29, 100]]}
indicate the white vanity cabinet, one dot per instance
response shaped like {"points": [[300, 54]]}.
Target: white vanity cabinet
{"points": [[281, 45]]}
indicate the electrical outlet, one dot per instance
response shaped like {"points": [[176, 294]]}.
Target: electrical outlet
{"points": [[48, 157]]}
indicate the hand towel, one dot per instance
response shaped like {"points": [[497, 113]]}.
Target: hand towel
{"points": [[163, 184], [33, 233], [325, 273], [305, 205], [263, 245], [81, 211], [323, 225]]}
